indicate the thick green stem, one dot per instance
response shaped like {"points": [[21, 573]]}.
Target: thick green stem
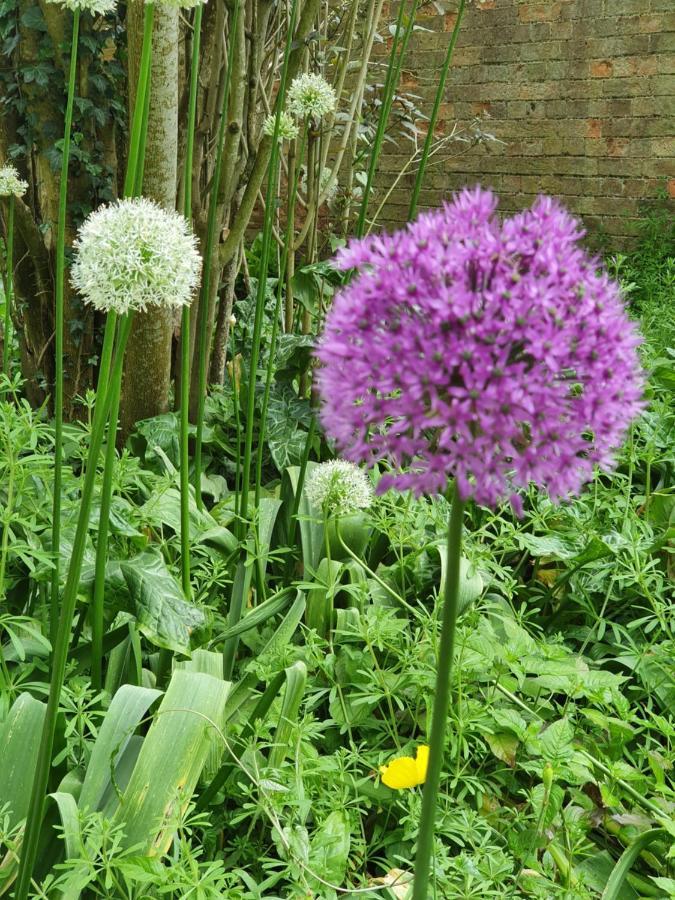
{"points": [[209, 253], [390, 85], [66, 611], [9, 281], [440, 89], [97, 605], [139, 124], [262, 280], [439, 717], [185, 325], [132, 187], [286, 253], [58, 330]]}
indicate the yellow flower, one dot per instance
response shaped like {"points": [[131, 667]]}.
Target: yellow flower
{"points": [[406, 772]]}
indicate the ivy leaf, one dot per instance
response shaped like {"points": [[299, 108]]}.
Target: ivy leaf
{"points": [[33, 18]]}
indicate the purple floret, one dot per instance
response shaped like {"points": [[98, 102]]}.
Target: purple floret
{"points": [[495, 352]]}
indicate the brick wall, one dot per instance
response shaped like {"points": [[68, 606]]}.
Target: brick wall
{"points": [[582, 92]]}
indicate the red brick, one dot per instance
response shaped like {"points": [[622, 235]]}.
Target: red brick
{"points": [[593, 128], [539, 12], [602, 68], [670, 187]]}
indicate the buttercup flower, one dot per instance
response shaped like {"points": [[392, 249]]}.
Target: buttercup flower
{"points": [[95, 7], [288, 130], [310, 96], [133, 254], [339, 488], [406, 772], [495, 352], [10, 183]]}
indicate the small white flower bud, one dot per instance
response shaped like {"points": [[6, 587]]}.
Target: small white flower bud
{"points": [[10, 183]]}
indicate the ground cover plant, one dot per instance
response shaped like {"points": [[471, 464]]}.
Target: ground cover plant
{"points": [[386, 611]]}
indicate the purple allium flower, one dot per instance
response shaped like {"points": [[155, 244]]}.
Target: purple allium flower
{"points": [[493, 351]]}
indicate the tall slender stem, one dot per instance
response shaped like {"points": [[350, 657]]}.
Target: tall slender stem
{"points": [[58, 330], [67, 608], [262, 281], [139, 124], [9, 282], [185, 323], [132, 187], [390, 84], [209, 256], [439, 716], [440, 89], [287, 253]]}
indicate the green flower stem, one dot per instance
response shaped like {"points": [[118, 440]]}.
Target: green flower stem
{"points": [[390, 85], [106, 495], [9, 282], [132, 187], [209, 256], [439, 717], [262, 281], [58, 330], [440, 90], [286, 250], [139, 124], [301, 481], [185, 324], [67, 609]]}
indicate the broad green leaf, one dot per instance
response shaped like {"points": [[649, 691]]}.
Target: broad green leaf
{"points": [[171, 760], [307, 527], [157, 601], [329, 852], [126, 710], [470, 582], [19, 742], [296, 678], [555, 741], [285, 439], [503, 746]]}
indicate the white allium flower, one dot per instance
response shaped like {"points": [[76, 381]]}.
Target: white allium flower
{"points": [[10, 183], [133, 254], [310, 96], [324, 181], [95, 7], [339, 488], [288, 130]]}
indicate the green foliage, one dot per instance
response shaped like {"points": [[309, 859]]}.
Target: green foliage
{"points": [[557, 777]]}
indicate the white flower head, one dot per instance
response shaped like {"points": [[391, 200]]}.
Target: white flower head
{"points": [[10, 183], [324, 182], [339, 488], [288, 130], [310, 96], [133, 254], [95, 7]]}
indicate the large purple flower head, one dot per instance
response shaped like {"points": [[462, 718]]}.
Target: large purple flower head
{"points": [[493, 351]]}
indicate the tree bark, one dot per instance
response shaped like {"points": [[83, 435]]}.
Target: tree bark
{"points": [[147, 365]]}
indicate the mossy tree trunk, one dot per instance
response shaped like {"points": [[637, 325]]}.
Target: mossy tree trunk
{"points": [[147, 366]]}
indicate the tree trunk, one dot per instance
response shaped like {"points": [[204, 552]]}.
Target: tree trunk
{"points": [[147, 365]]}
